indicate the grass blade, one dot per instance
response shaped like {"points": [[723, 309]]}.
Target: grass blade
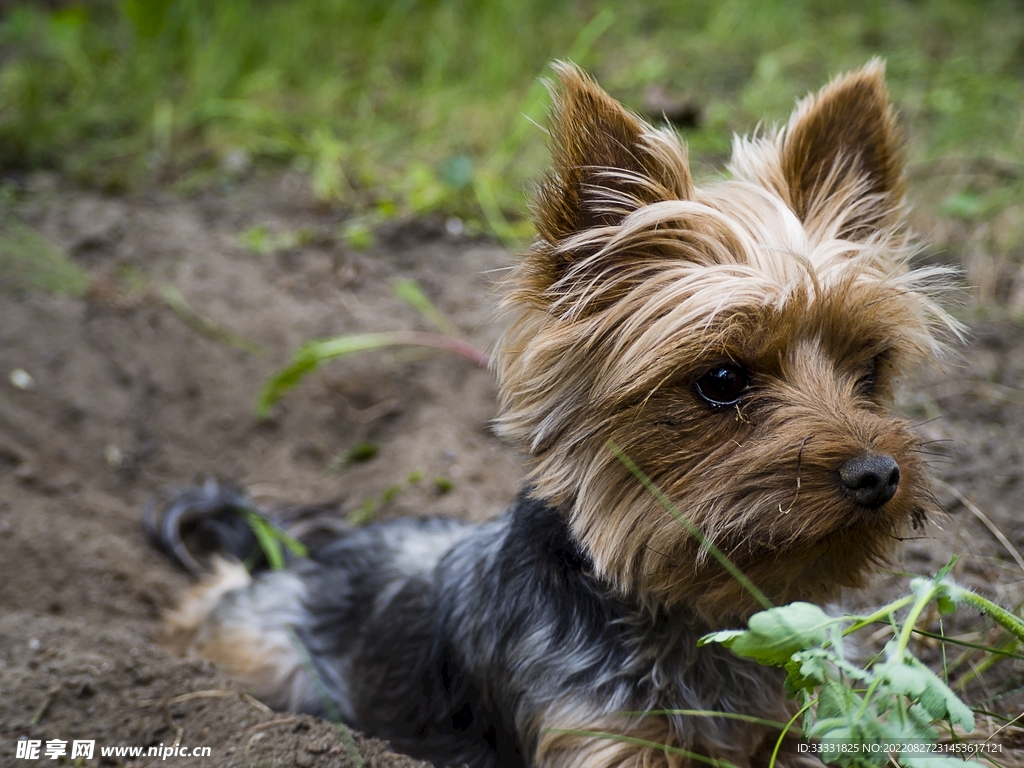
{"points": [[694, 531], [309, 356], [410, 292], [198, 323], [333, 714]]}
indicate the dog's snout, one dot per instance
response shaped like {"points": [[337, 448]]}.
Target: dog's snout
{"points": [[871, 480]]}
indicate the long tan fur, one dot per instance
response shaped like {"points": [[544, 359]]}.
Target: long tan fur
{"points": [[639, 282]]}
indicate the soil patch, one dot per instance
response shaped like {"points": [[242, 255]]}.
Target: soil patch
{"points": [[127, 397]]}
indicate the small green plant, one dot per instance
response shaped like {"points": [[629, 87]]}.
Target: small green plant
{"points": [[359, 453], [443, 485], [858, 716]]}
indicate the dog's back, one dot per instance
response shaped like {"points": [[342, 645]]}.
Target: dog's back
{"points": [[469, 644]]}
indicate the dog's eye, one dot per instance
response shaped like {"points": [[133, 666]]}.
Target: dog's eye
{"points": [[724, 384], [868, 381]]}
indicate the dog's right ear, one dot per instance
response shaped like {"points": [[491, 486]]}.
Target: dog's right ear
{"points": [[607, 161]]}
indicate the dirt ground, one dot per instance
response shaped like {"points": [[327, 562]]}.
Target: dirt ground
{"points": [[128, 398]]}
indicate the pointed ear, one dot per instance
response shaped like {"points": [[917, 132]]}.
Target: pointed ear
{"points": [[842, 156], [607, 161]]}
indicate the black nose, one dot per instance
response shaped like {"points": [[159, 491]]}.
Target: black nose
{"points": [[870, 480]]}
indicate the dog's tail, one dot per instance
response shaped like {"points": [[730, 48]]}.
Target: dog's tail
{"points": [[249, 624], [218, 518], [192, 524]]}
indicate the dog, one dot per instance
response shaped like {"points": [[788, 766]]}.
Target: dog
{"points": [[739, 343]]}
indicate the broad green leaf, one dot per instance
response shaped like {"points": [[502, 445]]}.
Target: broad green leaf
{"points": [[836, 700], [938, 697], [913, 679], [725, 636], [776, 634], [905, 679], [920, 719]]}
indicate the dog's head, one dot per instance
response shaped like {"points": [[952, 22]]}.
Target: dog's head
{"points": [[739, 342]]}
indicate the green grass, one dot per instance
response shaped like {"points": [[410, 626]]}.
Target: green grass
{"points": [[411, 106]]}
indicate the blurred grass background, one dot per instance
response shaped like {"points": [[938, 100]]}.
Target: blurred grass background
{"points": [[414, 106]]}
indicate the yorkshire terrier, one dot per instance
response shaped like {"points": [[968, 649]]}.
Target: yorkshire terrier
{"points": [[738, 342]]}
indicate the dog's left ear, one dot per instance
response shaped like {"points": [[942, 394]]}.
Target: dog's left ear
{"points": [[842, 156], [607, 161]]}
